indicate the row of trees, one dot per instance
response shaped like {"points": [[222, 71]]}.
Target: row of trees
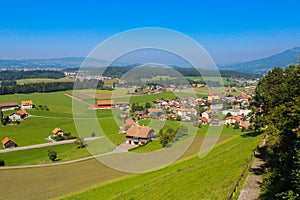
{"points": [[278, 115], [15, 75], [51, 87], [170, 135]]}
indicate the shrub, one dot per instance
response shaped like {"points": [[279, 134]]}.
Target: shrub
{"points": [[80, 142], [52, 154], [2, 163]]}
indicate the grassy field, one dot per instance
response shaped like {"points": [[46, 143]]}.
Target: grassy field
{"points": [[45, 80], [58, 103], [226, 80], [212, 177], [65, 152], [157, 78]]}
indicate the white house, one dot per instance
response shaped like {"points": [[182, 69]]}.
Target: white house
{"points": [[26, 104], [186, 113], [206, 114]]}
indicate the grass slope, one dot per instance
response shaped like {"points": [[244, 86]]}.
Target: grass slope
{"points": [[212, 177]]}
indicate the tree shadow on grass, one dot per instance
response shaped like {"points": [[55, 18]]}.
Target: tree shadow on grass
{"points": [[251, 134]]}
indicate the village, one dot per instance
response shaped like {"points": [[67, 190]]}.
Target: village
{"points": [[213, 110]]}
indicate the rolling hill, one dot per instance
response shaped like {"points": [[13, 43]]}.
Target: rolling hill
{"points": [[258, 66], [263, 65]]}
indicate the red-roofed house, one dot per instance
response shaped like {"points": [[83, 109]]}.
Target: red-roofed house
{"points": [[7, 143], [204, 120], [57, 131], [104, 104], [128, 123], [26, 104], [18, 115], [9, 106], [145, 116], [233, 119]]}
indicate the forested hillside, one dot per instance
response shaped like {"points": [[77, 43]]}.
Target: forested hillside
{"points": [[278, 97], [15, 75]]}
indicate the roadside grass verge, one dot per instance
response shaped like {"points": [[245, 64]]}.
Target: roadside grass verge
{"points": [[65, 152]]}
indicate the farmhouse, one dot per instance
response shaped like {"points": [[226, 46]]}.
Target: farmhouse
{"points": [[57, 131], [7, 143], [9, 106], [139, 135], [27, 104], [18, 115], [104, 104]]}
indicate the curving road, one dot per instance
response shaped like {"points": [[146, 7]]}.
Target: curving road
{"points": [[46, 144]]}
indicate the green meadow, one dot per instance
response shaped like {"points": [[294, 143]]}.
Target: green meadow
{"points": [[226, 80], [45, 80], [65, 152], [191, 177], [212, 177]]}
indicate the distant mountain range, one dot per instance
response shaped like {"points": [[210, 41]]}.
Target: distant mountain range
{"points": [[259, 66], [263, 65], [53, 63]]}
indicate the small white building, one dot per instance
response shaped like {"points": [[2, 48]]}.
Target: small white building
{"points": [[27, 104]]}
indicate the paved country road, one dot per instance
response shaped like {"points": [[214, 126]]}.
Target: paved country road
{"points": [[46, 144], [119, 149], [252, 185]]}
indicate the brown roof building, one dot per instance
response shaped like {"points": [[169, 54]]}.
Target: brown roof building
{"points": [[139, 135]]}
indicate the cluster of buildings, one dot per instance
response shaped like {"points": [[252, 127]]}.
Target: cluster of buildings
{"points": [[154, 89], [15, 105], [21, 113], [110, 104]]}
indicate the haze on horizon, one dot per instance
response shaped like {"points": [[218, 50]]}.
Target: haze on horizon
{"points": [[231, 32]]}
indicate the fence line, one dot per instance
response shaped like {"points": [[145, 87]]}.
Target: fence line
{"points": [[246, 168]]}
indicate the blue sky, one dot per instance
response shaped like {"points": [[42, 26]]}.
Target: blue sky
{"points": [[231, 31]]}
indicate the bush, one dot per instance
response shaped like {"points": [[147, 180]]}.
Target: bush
{"points": [[236, 125], [80, 143], [67, 134], [2, 163], [52, 154]]}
